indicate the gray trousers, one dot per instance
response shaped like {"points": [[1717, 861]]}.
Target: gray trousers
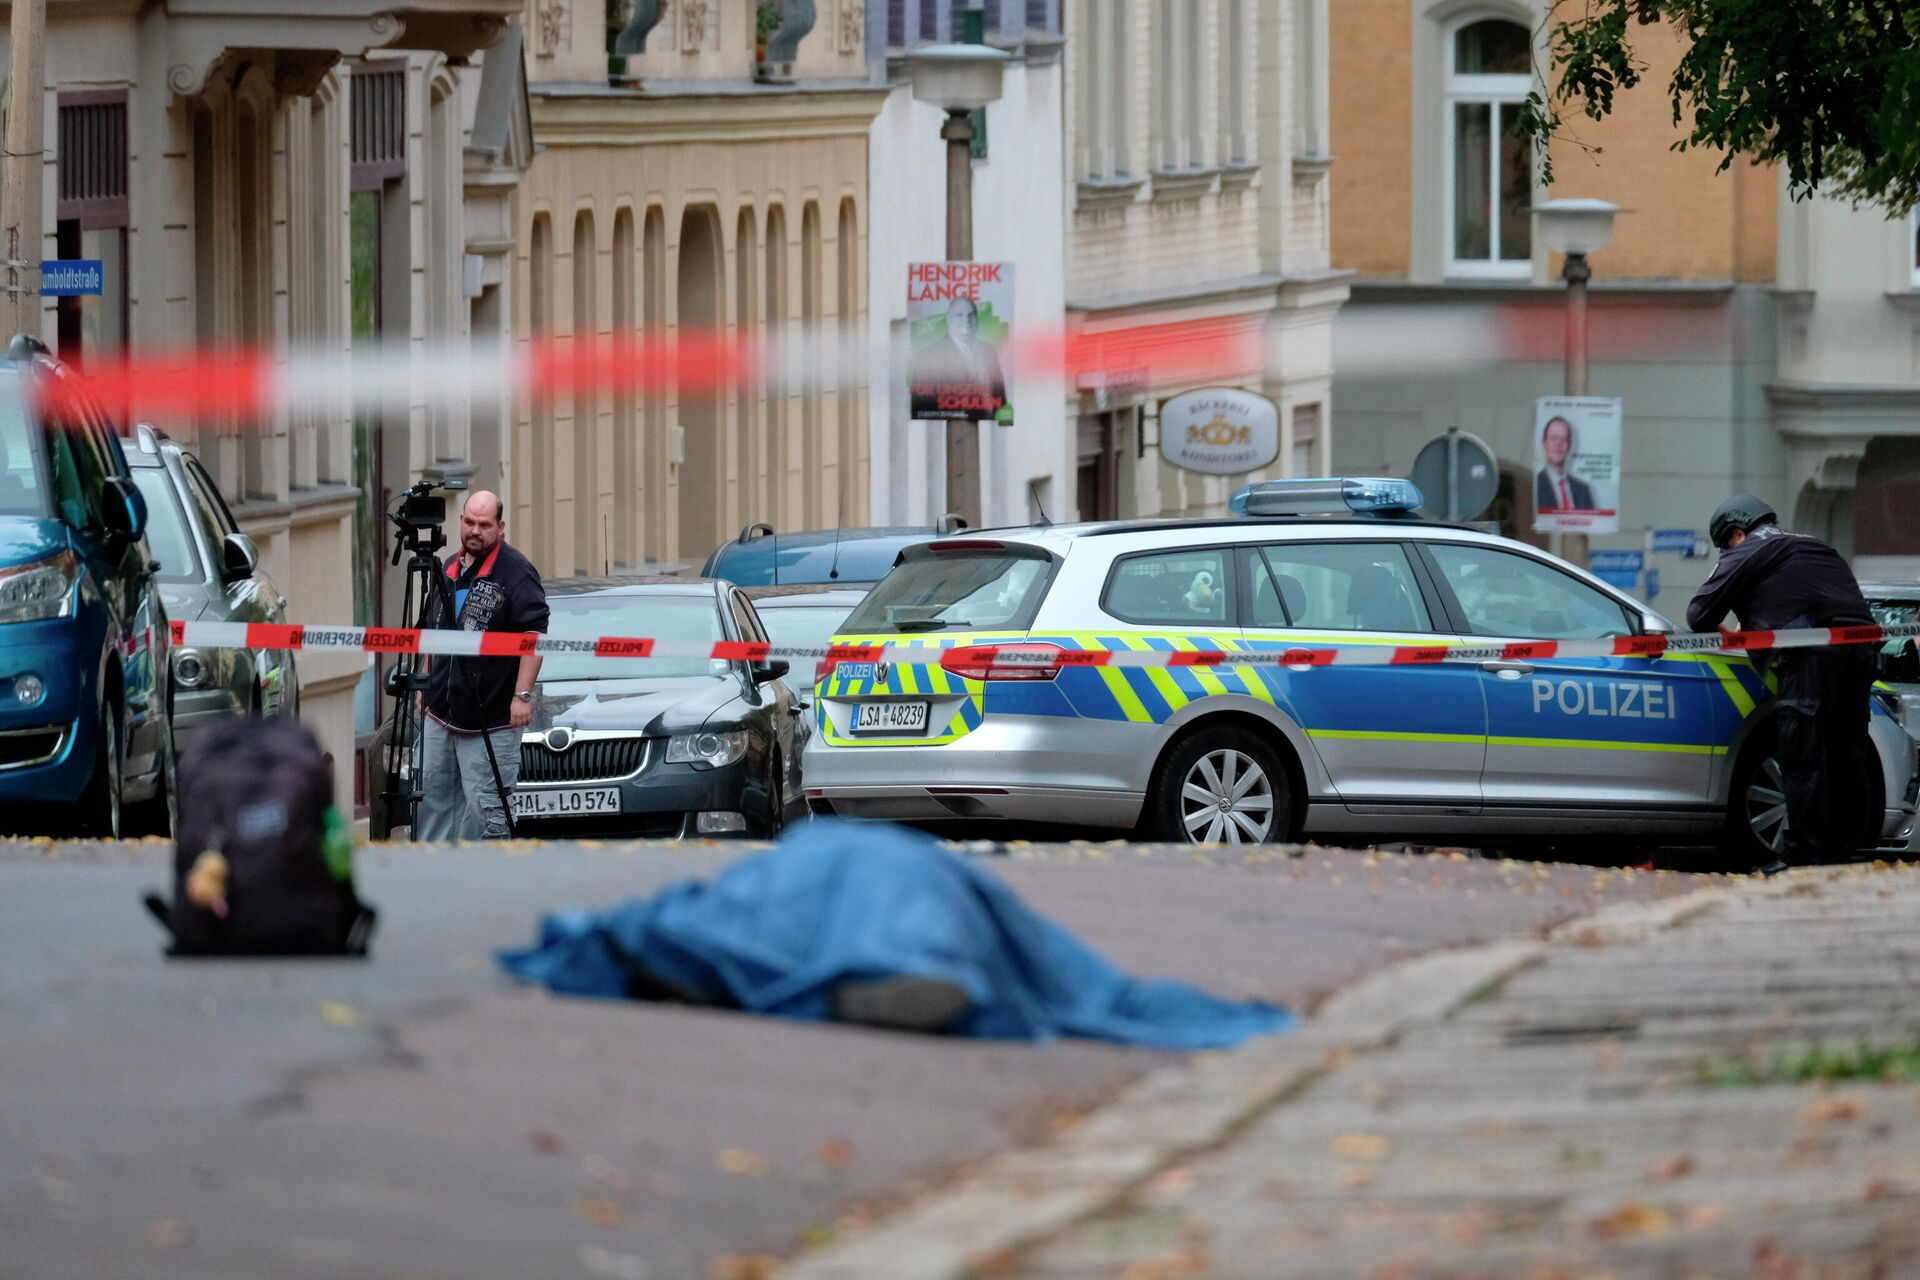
{"points": [[458, 800]]}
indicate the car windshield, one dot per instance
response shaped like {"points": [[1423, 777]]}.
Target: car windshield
{"points": [[802, 626], [670, 619], [23, 492], [953, 591], [167, 535]]}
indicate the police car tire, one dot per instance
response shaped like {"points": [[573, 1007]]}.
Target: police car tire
{"points": [[1742, 850], [1163, 817]]}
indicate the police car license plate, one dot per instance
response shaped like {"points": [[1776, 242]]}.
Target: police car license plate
{"points": [[890, 717], [566, 803]]}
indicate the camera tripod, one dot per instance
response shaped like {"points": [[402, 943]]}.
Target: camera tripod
{"points": [[420, 537]]}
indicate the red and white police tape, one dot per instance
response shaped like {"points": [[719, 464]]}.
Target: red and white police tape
{"points": [[1012, 659]]}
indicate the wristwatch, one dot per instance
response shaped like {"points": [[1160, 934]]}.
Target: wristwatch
{"points": [[524, 695]]}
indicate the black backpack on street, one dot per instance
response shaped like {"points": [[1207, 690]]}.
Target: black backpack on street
{"points": [[263, 861]]}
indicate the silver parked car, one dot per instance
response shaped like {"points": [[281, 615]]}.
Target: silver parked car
{"points": [[1673, 749], [209, 572]]}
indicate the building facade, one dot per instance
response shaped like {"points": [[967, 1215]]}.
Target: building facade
{"points": [[1756, 342], [257, 177], [714, 181], [1197, 181], [1026, 469]]}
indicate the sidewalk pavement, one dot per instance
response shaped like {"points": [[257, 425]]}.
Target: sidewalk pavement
{"points": [[1553, 1110]]}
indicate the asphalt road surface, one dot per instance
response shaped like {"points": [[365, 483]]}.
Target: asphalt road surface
{"points": [[417, 1115]]}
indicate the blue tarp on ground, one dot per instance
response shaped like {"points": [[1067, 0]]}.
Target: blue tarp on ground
{"points": [[775, 932]]}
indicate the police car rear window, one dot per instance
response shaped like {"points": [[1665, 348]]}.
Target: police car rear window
{"points": [[953, 591], [1175, 588]]}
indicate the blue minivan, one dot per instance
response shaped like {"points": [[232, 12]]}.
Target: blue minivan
{"points": [[86, 741]]}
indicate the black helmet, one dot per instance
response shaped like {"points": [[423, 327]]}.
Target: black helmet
{"points": [[1743, 511]]}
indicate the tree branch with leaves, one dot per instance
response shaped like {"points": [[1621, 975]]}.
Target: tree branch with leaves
{"points": [[1830, 89]]}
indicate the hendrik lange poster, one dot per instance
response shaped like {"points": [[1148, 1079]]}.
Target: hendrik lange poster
{"points": [[958, 314]]}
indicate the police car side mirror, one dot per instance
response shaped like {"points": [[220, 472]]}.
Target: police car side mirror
{"points": [[1652, 624]]}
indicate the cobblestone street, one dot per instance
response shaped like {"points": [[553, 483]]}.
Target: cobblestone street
{"points": [[1557, 1125]]}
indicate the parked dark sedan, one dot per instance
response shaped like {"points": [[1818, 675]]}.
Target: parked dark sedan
{"points": [[658, 746]]}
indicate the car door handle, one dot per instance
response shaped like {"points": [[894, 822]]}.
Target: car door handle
{"points": [[1508, 670]]}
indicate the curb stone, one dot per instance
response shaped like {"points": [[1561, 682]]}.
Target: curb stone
{"points": [[1023, 1197]]}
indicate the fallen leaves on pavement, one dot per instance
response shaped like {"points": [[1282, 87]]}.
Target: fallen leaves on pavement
{"points": [[741, 1163], [1636, 1218], [1362, 1146], [599, 1211]]}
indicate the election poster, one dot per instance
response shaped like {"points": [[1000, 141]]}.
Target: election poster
{"points": [[958, 314], [1576, 464]]}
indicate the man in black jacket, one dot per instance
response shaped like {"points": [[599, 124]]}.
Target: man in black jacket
{"points": [[1777, 581], [488, 586]]}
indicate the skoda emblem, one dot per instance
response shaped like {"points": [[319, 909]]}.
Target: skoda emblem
{"points": [[559, 738]]}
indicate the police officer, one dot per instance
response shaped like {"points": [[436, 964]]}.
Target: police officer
{"points": [[1776, 581]]}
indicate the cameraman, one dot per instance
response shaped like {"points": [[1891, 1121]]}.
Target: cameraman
{"points": [[488, 586]]}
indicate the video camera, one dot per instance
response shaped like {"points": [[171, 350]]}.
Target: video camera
{"points": [[420, 508], [420, 514]]}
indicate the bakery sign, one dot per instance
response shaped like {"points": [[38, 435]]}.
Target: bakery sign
{"points": [[1220, 431]]}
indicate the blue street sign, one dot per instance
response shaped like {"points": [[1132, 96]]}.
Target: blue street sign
{"points": [[1624, 579], [1627, 562], [1653, 583], [1676, 541], [72, 278]]}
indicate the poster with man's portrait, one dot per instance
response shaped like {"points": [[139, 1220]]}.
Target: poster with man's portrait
{"points": [[958, 314], [1576, 464]]}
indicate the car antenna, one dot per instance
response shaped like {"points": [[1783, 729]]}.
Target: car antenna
{"points": [[1033, 491], [840, 521]]}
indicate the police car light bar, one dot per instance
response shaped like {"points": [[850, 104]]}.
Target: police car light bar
{"points": [[1364, 495]]}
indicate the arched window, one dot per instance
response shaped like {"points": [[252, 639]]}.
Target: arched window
{"points": [[812, 446], [536, 497], [628, 489], [1489, 166], [590, 533]]}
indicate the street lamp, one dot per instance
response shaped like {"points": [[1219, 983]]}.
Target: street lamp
{"points": [[1575, 228], [960, 79]]}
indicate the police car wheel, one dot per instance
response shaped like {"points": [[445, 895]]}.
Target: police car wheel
{"points": [[1220, 786]]}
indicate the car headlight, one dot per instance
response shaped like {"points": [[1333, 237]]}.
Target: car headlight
{"points": [[39, 590], [189, 668], [708, 749]]}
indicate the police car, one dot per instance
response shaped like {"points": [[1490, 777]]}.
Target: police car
{"points": [[1669, 749]]}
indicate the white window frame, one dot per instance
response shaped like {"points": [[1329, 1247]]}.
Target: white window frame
{"points": [[1497, 91]]}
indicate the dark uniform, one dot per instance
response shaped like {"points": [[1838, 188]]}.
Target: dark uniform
{"points": [[1776, 581]]}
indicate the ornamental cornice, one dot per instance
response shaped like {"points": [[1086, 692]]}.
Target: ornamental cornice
{"points": [[199, 34], [634, 120]]}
